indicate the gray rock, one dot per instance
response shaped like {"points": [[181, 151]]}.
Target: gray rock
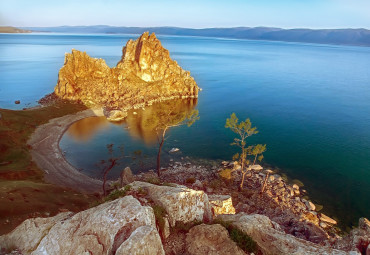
{"points": [[144, 240], [126, 176], [181, 203], [99, 230], [272, 240], [173, 150], [210, 239]]}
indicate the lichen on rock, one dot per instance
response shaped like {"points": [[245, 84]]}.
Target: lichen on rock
{"points": [[145, 74]]}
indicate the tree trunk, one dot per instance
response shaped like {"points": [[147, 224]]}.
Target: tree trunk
{"points": [[106, 171], [159, 153], [264, 183], [255, 158], [242, 183]]}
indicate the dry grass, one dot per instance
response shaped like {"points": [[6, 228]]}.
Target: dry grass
{"points": [[23, 193]]}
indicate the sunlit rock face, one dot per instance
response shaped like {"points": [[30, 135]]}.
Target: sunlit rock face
{"points": [[122, 226], [145, 74]]}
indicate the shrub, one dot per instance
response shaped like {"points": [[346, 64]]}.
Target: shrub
{"points": [[142, 191], [153, 180], [226, 173], [244, 241], [159, 213], [182, 227], [216, 183], [190, 180], [117, 193]]}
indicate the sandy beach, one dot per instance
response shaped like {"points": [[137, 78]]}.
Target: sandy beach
{"points": [[47, 155]]}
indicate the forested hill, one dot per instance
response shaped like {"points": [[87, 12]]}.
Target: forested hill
{"points": [[359, 37]]}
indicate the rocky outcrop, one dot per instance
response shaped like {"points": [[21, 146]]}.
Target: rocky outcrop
{"points": [[358, 238], [181, 203], [144, 240], [272, 240], [144, 75], [221, 204], [29, 234], [105, 229], [210, 239]]}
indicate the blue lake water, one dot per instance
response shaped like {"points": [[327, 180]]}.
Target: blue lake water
{"points": [[311, 104]]}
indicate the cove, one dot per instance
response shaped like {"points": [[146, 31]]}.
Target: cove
{"points": [[310, 103]]}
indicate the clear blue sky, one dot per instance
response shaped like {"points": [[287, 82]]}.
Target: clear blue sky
{"points": [[190, 13]]}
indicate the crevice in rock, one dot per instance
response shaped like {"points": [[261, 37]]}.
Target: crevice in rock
{"points": [[122, 235]]}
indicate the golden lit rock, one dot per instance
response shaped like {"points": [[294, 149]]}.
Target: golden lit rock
{"points": [[145, 74]]}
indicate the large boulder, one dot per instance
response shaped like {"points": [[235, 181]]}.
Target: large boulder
{"points": [[221, 204], [181, 203], [144, 75], [144, 240], [100, 230], [272, 240], [29, 233], [211, 240], [357, 239]]}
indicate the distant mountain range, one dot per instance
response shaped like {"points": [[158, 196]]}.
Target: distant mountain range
{"points": [[360, 37]]}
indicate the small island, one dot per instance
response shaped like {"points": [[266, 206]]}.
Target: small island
{"points": [[145, 74]]}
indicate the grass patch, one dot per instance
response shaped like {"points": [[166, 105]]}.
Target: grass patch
{"points": [[159, 213], [153, 180], [244, 241], [24, 192], [117, 193], [181, 227]]}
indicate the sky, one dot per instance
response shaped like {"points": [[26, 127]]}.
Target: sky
{"points": [[189, 13]]}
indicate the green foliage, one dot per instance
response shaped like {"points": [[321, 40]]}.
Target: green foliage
{"points": [[115, 185], [117, 193], [226, 173], [181, 227], [244, 130], [153, 180], [215, 183], [190, 180], [244, 241], [142, 191], [168, 184], [159, 213]]}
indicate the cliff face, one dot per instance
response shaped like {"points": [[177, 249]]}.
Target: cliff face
{"points": [[144, 75]]}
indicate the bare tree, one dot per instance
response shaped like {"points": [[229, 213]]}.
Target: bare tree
{"points": [[110, 163]]}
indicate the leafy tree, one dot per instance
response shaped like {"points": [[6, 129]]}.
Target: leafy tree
{"points": [[258, 150], [168, 115], [244, 130]]}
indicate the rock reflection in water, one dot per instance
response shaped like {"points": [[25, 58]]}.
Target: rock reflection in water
{"points": [[83, 130], [140, 123], [143, 124]]}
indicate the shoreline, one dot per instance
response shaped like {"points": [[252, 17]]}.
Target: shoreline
{"points": [[46, 153]]}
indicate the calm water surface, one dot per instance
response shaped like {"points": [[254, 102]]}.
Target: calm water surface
{"points": [[311, 104]]}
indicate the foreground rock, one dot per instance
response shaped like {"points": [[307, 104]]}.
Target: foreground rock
{"points": [[181, 203], [358, 239], [104, 229], [272, 240], [28, 235], [212, 240], [221, 204], [144, 75]]}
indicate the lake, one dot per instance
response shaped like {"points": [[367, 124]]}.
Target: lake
{"points": [[311, 104]]}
